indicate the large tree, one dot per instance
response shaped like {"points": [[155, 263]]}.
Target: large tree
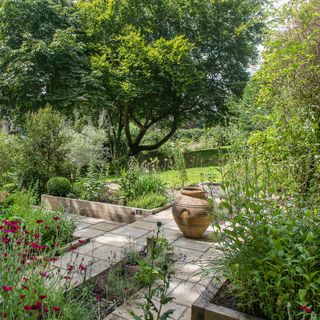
{"points": [[147, 63]]}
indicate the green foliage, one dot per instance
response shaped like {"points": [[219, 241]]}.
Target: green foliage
{"points": [[6, 158], [155, 269], [51, 225], [58, 186], [139, 184], [148, 201], [285, 93], [41, 59], [92, 187], [271, 244], [145, 64], [86, 146], [42, 151]]}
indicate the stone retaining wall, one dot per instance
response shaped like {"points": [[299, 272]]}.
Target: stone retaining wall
{"points": [[95, 209]]}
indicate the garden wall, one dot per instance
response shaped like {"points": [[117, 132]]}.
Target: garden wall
{"points": [[95, 209]]}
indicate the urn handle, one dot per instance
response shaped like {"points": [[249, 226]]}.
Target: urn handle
{"points": [[183, 211]]}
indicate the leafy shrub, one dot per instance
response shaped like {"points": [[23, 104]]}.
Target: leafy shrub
{"points": [[138, 181], [270, 251], [10, 187], [42, 151], [6, 158], [148, 201], [58, 186], [92, 187], [51, 225], [86, 146]]}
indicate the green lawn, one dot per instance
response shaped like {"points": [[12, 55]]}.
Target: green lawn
{"points": [[194, 175]]}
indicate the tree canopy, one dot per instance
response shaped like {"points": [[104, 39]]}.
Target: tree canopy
{"points": [[145, 63]]}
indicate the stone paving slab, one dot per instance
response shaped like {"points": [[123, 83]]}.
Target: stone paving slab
{"points": [[135, 303], [130, 232], [92, 220], [113, 239], [110, 238], [107, 252], [104, 226], [192, 244], [186, 293], [82, 225], [142, 224], [88, 233]]}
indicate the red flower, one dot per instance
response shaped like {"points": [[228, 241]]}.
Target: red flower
{"points": [[306, 309], [82, 267], [56, 218], [58, 227], [37, 305], [27, 308], [40, 221], [45, 310], [36, 235], [25, 279], [82, 241], [70, 267], [53, 259], [67, 277], [5, 254], [19, 241], [5, 240], [98, 298], [56, 308], [7, 288], [43, 274], [46, 227], [72, 248], [25, 287], [43, 296], [22, 296]]}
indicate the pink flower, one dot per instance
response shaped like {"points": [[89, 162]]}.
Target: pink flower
{"points": [[98, 298], [27, 308], [7, 288], [45, 310], [56, 308], [43, 274]]}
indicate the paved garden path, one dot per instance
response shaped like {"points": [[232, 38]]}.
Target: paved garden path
{"points": [[109, 238]]}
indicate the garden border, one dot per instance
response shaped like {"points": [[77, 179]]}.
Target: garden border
{"points": [[100, 210], [203, 309]]}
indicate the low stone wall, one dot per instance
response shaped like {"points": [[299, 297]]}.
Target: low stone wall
{"points": [[95, 209]]}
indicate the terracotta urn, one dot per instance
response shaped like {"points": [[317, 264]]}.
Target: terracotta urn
{"points": [[191, 211]]}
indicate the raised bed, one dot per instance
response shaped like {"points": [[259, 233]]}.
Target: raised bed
{"points": [[203, 309], [98, 209]]}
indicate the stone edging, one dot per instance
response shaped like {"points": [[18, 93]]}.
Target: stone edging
{"points": [[203, 309], [98, 209]]}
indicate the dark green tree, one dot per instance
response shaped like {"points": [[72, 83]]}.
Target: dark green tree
{"points": [[146, 63]]}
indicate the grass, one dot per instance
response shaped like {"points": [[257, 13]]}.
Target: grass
{"points": [[194, 175], [206, 157]]}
